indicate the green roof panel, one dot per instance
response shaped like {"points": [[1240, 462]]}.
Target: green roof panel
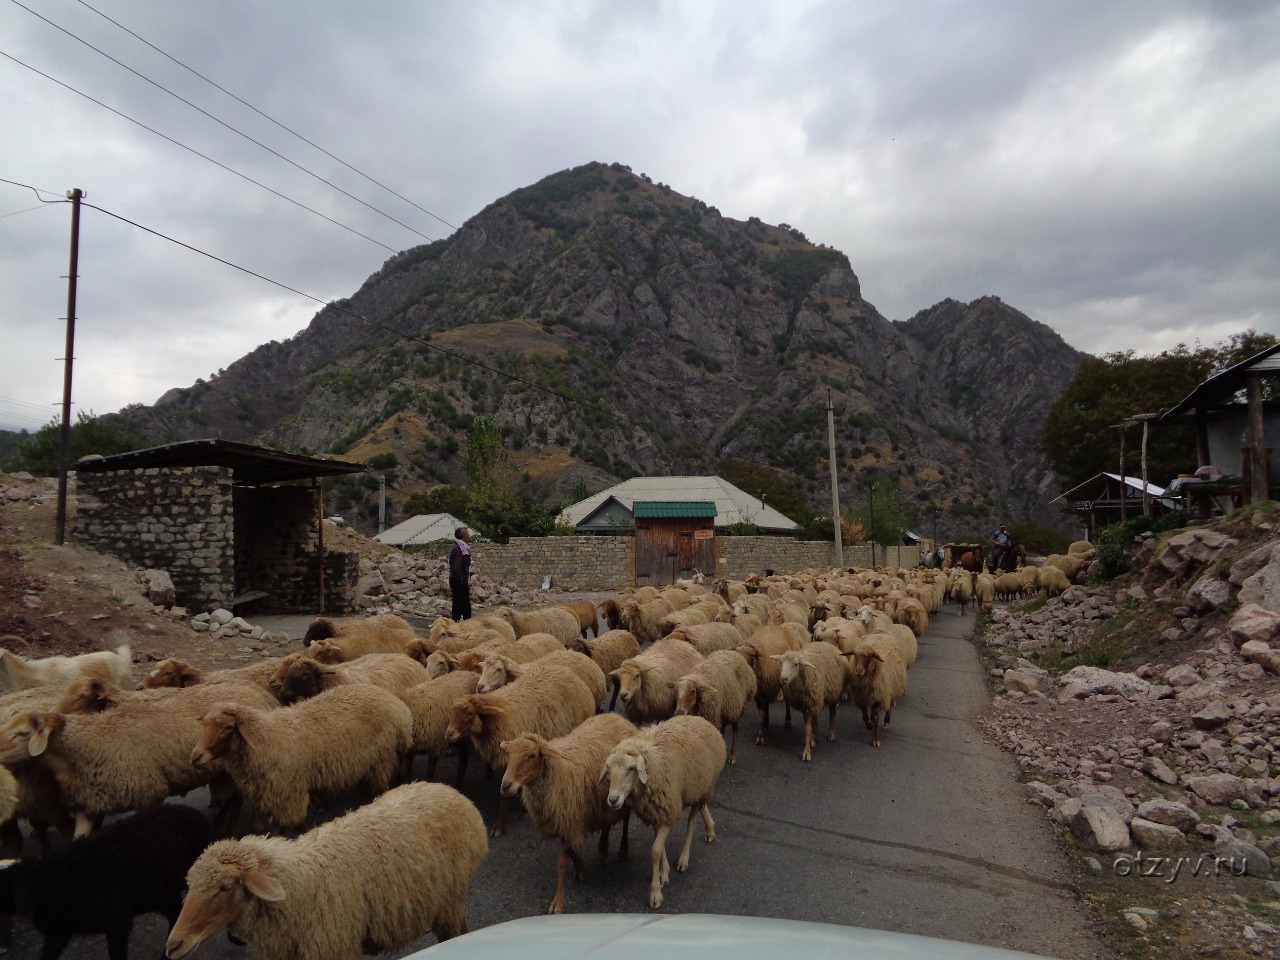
{"points": [[674, 508]]}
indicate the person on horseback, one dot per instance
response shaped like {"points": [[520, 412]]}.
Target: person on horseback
{"points": [[1001, 540]]}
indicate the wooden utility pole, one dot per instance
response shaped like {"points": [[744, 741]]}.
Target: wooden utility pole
{"points": [[64, 449], [1257, 479], [835, 483], [1146, 496], [1123, 484]]}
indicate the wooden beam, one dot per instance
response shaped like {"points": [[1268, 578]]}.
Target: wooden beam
{"points": [[1202, 437], [1257, 441]]}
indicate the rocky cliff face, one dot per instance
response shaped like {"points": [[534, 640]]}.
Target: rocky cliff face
{"points": [[612, 327]]}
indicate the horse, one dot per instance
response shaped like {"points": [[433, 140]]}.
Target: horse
{"points": [[972, 560], [1014, 556]]}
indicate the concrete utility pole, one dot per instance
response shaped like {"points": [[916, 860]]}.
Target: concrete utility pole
{"points": [[835, 483], [382, 503], [871, 519], [64, 449]]}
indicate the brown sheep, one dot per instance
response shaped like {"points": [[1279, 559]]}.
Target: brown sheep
{"points": [[392, 671]]}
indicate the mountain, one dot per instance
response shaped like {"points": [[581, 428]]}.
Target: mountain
{"points": [[613, 327]]}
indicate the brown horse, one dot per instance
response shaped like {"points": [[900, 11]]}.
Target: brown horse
{"points": [[1014, 556], [972, 560]]}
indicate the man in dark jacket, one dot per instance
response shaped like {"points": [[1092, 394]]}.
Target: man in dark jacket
{"points": [[460, 574]]}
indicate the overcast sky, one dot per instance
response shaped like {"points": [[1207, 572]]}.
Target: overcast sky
{"points": [[1109, 168]]}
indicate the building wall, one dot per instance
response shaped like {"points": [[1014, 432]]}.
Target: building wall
{"points": [[177, 519]]}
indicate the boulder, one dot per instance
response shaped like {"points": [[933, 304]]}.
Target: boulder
{"points": [[1183, 675], [1099, 827], [1156, 768], [1191, 550], [159, 587], [1169, 813], [1263, 587], [1218, 789], [1252, 562], [1212, 715], [1252, 622], [1156, 836], [1021, 681], [1208, 595], [1260, 653], [1093, 680], [1241, 858]]}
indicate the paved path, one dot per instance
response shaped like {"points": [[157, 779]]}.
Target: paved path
{"points": [[929, 834]]}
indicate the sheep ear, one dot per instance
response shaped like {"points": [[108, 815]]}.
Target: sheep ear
{"points": [[604, 773], [705, 689], [39, 739], [263, 887], [776, 656], [878, 657], [242, 728], [670, 684], [641, 773], [807, 663]]}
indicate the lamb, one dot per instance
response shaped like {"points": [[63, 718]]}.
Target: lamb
{"points": [[878, 677], [642, 618], [392, 671], [175, 673], [1053, 581], [560, 784], [812, 678], [498, 671], [330, 745], [431, 704], [370, 881], [611, 613], [557, 621], [707, 638], [644, 681], [18, 673], [660, 771], [718, 689], [758, 653], [608, 651], [133, 866], [385, 633], [552, 706], [585, 611]]}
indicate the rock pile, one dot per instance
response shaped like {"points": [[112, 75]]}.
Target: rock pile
{"points": [[415, 585]]}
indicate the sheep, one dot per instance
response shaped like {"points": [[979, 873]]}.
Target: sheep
{"points": [[370, 881], [1053, 581], [753, 603], [1083, 549], [175, 673], [18, 673], [1030, 580], [962, 593], [385, 633], [608, 651], [1071, 564], [497, 671], [585, 611], [560, 784], [486, 624], [758, 651], [392, 671], [689, 616], [984, 591], [878, 677], [811, 679], [611, 613], [1008, 586], [8, 795], [431, 704], [718, 689], [642, 617], [643, 680], [676, 596], [747, 623], [126, 758], [729, 590], [557, 621], [660, 771], [133, 866], [905, 640], [96, 696], [789, 613], [345, 738], [839, 632], [551, 706], [707, 638]]}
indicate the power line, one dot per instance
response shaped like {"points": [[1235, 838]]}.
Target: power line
{"points": [[222, 123], [23, 403], [27, 210], [202, 156], [37, 191], [266, 116]]}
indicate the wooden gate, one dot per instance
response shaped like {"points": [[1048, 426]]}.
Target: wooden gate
{"points": [[669, 548]]}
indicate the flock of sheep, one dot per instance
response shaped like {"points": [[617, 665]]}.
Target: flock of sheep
{"points": [[532, 695]]}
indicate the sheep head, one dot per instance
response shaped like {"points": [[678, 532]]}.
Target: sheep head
{"points": [[304, 679], [220, 729], [626, 771], [326, 651], [496, 671], [276, 680], [751, 653], [863, 661], [527, 758], [88, 695], [420, 650], [170, 673], [321, 628], [439, 663], [439, 626], [27, 734], [471, 714], [689, 692], [630, 677], [225, 883], [470, 660]]}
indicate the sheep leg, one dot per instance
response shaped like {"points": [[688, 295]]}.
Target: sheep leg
{"points": [[831, 721], [786, 720], [118, 941], [733, 744], [624, 846], [602, 848], [887, 710], [810, 736], [54, 944], [683, 863], [875, 725], [613, 701], [763, 706], [866, 720], [464, 754], [661, 868], [566, 857], [84, 826], [451, 922]]}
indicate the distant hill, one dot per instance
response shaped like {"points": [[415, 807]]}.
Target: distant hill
{"points": [[628, 329]]}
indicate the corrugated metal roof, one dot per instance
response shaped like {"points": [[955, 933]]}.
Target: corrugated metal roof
{"points": [[1094, 486], [424, 528], [1222, 386], [673, 508], [251, 465], [732, 504]]}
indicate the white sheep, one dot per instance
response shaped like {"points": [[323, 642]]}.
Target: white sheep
{"points": [[560, 784], [707, 638], [329, 746], [657, 773], [758, 652], [608, 651], [643, 618], [370, 881], [1053, 581], [812, 678], [431, 704], [385, 633], [718, 689], [19, 673], [557, 621], [486, 624], [878, 678], [644, 680], [176, 673]]}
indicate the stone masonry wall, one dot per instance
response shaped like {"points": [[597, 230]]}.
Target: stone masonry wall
{"points": [[584, 563], [179, 520]]}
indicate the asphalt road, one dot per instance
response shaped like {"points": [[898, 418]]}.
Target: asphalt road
{"points": [[929, 834]]}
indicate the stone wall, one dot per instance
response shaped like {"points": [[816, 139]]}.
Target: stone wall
{"points": [[177, 519], [743, 555], [584, 563]]}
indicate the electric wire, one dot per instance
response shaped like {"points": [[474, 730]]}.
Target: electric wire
{"points": [[27, 210], [178, 143], [223, 123], [36, 190], [266, 116], [23, 403]]}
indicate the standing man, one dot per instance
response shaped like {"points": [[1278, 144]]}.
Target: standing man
{"points": [[460, 574]]}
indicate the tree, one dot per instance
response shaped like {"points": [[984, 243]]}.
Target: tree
{"points": [[1077, 439], [879, 513], [772, 486], [89, 434]]}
